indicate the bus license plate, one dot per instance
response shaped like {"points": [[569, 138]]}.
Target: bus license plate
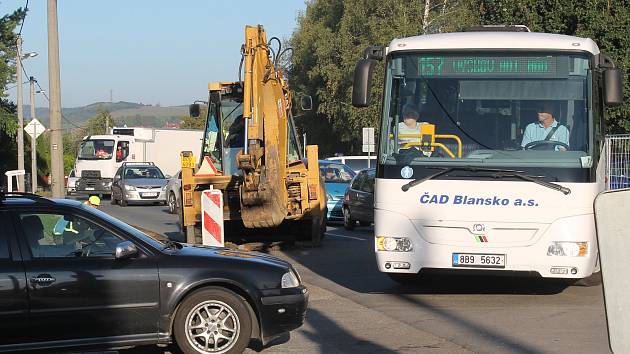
{"points": [[478, 260]]}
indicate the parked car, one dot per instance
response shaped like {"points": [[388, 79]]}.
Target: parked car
{"points": [[139, 182], [71, 182], [337, 177], [358, 203], [76, 278], [356, 163], [173, 192]]}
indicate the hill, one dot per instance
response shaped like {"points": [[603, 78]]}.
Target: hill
{"points": [[129, 113]]}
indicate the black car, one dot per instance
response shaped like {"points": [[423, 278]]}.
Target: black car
{"points": [[73, 277], [358, 202]]}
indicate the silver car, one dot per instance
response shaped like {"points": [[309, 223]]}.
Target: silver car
{"points": [[139, 182], [173, 192]]}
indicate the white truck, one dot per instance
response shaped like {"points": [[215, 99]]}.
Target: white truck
{"points": [[101, 155]]}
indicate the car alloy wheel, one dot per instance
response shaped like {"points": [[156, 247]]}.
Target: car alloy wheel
{"points": [[213, 321], [212, 326], [172, 203]]}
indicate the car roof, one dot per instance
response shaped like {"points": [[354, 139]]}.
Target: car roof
{"points": [[18, 199]]}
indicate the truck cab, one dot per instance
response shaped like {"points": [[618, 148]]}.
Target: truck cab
{"points": [[98, 159]]}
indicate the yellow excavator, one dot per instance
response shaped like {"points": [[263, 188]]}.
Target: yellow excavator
{"points": [[251, 152]]}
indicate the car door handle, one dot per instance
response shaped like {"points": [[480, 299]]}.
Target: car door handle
{"points": [[43, 279]]}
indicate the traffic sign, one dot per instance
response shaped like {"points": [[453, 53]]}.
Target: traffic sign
{"points": [[368, 139], [34, 128]]}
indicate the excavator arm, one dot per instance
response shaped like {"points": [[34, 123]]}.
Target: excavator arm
{"points": [[266, 106]]}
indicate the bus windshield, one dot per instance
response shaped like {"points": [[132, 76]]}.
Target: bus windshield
{"points": [[488, 109], [97, 149]]}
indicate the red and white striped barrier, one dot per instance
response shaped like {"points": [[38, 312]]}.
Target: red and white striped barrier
{"points": [[212, 221]]}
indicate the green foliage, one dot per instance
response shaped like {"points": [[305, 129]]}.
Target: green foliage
{"points": [[100, 122], [330, 38], [606, 22], [195, 123], [331, 35]]}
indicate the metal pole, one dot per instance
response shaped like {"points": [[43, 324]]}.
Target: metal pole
{"points": [[33, 140], [56, 139], [20, 114]]}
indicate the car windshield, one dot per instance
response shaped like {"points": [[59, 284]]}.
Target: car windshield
{"points": [[520, 109], [143, 172], [336, 172], [96, 149]]}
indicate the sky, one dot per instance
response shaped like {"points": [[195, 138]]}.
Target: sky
{"points": [[145, 51]]}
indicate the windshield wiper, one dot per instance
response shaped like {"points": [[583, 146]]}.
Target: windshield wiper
{"points": [[496, 173], [172, 244]]}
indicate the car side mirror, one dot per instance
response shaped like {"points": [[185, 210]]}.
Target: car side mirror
{"points": [[613, 87], [168, 176], [126, 249], [306, 103], [193, 110]]}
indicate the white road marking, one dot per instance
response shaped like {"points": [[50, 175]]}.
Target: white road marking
{"points": [[344, 236]]}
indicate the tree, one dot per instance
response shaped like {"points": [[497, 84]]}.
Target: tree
{"points": [[195, 123], [331, 36], [100, 122], [606, 22], [8, 38]]}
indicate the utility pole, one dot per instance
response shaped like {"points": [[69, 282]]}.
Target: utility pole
{"points": [[56, 139], [33, 140], [20, 113]]}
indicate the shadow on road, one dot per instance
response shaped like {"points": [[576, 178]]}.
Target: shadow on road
{"points": [[329, 335]]}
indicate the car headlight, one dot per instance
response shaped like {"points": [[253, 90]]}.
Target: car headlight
{"points": [[108, 184], [393, 244], [129, 188], [290, 280], [568, 249]]}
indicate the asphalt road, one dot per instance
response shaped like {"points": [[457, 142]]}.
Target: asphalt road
{"points": [[356, 309]]}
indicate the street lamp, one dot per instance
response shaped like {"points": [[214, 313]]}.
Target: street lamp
{"points": [[20, 108], [29, 55]]}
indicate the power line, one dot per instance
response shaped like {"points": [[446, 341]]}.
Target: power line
{"points": [[43, 92], [23, 19]]}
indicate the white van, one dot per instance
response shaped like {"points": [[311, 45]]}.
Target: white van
{"points": [[357, 163]]}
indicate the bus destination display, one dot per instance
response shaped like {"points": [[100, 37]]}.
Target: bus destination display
{"points": [[476, 66]]}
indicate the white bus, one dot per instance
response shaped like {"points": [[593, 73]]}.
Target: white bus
{"points": [[488, 181]]}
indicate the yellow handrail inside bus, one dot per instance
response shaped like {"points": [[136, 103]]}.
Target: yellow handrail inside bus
{"points": [[426, 140]]}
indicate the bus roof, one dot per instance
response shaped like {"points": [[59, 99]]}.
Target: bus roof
{"points": [[494, 40]]}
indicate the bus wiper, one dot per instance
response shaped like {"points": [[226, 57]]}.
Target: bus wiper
{"points": [[497, 173], [554, 186]]}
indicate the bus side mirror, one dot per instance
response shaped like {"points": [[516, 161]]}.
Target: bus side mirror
{"points": [[613, 87], [306, 103], [193, 110], [362, 82]]}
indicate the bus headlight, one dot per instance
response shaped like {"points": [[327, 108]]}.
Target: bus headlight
{"points": [[568, 249], [393, 244]]}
